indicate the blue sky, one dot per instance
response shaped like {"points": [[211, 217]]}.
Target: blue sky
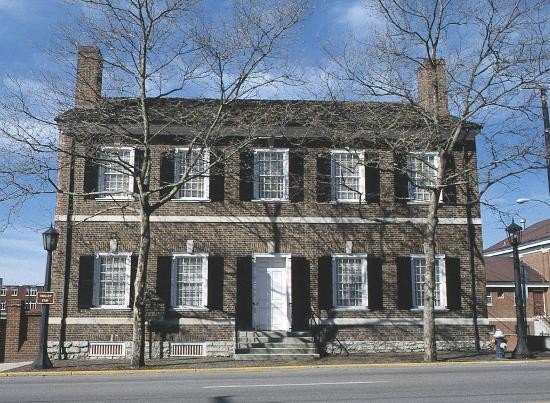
{"points": [[29, 27]]}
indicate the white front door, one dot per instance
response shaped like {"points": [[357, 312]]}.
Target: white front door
{"points": [[270, 291]]}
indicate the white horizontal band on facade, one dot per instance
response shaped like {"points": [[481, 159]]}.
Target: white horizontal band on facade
{"points": [[263, 219], [400, 321], [496, 320], [128, 321], [497, 285]]}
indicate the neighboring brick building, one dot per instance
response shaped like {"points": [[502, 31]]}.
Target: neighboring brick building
{"points": [[534, 252], [24, 293], [292, 234]]}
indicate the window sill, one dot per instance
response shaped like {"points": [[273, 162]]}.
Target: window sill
{"points": [[275, 201], [113, 199], [188, 309], [111, 308], [190, 200], [350, 308], [435, 310]]}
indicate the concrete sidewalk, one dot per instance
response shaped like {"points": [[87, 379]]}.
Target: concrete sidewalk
{"points": [[7, 366]]}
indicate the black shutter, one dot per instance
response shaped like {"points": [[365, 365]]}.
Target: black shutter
{"points": [[246, 175], [300, 293], [372, 179], [323, 185], [217, 178], [325, 282], [404, 283], [166, 171], [164, 279], [296, 175], [215, 283], [401, 179], [244, 293], [375, 282], [139, 155], [91, 175], [449, 192], [133, 270], [452, 275], [85, 281]]}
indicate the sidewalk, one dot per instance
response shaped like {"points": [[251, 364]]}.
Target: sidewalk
{"points": [[7, 366], [205, 363]]}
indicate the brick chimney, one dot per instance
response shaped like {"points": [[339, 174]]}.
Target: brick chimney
{"points": [[89, 73], [432, 87]]}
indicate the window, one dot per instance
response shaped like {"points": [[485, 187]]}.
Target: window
{"points": [[422, 169], [33, 292], [192, 164], [500, 294], [114, 177], [112, 280], [27, 291], [2, 305], [271, 174], [418, 263], [3, 292], [489, 298], [348, 176], [349, 279], [14, 292], [189, 280], [30, 305]]}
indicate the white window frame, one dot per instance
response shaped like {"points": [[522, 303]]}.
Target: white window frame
{"points": [[420, 155], [204, 176], [333, 178], [14, 292], [101, 176], [2, 305], [489, 297], [286, 174], [174, 277], [442, 282], [364, 289], [3, 291], [97, 264], [33, 292]]}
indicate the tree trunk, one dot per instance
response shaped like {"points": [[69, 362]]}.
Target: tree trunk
{"points": [[430, 350], [138, 331]]}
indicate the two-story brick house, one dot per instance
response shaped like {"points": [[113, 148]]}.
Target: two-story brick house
{"points": [[297, 232]]}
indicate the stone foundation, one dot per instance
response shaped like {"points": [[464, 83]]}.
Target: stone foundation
{"points": [[367, 346]]}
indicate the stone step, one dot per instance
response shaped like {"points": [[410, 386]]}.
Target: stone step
{"points": [[293, 344], [277, 350], [272, 333], [271, 357], [283, 340]]}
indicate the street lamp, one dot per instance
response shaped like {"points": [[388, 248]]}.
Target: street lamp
{"points": [[524, 200], [42, 361], [514, 237]]}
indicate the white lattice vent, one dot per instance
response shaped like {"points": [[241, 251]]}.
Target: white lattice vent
{"points": [[186, 349], [106, 349]]}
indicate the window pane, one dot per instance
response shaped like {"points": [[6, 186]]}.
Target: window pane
{"points": [[419, 265], [347, 176], [115, 177], [349, 282], [422, 174], [191, 164], [189, 281], [271, 174], [112, 280]]}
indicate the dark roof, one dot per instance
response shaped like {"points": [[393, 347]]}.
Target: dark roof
{"points": [[539, 231], [500, 269], [282, 113]]}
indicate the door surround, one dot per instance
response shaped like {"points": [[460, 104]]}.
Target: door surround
{"points": [[287, 285]]}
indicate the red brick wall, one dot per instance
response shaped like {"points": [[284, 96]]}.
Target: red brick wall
{"points": [[22, 333], [2, 338]]}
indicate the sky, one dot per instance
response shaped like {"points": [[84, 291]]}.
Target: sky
{"points": [[29, 27]]}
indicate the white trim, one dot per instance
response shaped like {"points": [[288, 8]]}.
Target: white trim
{"points": [[522, 246], [263, 219], [205, 175], [494, 285], [128, 321], [442, 282], [101, 173], [400, 321], [286, 173], [95, 291], [361, 166], [173, 282], [364, 290]]}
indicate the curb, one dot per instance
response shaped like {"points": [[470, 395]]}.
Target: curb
{"points": [[262, 368]]}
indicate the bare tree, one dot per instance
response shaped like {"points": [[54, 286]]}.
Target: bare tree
{"points": [[474, 61], [152, 50]]}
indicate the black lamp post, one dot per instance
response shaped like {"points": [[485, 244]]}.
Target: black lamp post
{"points": [[514, 237], [42, 361]]}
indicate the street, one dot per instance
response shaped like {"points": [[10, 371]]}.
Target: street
{"points": [[506, 381]]}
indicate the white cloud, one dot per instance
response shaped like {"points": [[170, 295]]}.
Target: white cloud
{"points": [[358, 17]]}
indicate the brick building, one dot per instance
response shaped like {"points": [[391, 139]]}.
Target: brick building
{"points": [[295, 235], [534, 253], [24, 293]]}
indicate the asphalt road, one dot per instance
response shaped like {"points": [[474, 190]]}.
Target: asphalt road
{"points": [[498, 382]]}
